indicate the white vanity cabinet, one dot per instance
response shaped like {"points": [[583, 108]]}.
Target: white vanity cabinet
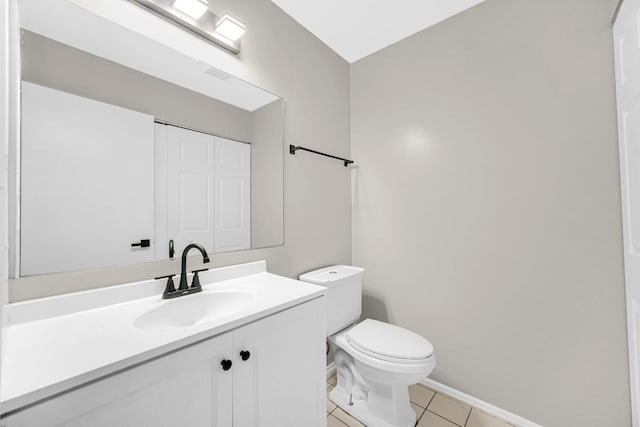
{"points": [[186, 387], [280, 384]]}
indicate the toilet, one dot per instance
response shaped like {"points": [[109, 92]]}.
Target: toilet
{"points": [[376, 362]]}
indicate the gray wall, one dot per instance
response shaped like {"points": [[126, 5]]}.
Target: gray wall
{"points": [[266, 151], [486, 205], [283, 58]]}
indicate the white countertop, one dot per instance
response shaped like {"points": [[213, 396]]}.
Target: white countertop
{"points": [[55, 344]]}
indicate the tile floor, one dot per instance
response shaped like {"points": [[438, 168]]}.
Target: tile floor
{"points": [[433, 410]]}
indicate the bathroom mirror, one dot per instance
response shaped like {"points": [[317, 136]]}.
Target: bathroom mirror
{"points": [[132, 150]]}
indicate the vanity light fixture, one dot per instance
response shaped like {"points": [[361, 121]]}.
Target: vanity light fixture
{"points": [[195, 17], [230, 27], [193, 8]]}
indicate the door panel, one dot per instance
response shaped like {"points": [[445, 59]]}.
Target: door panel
{"points": [[86, 183], [627, 64], [631, 143], [233, 195], [190, 194], [194, 195]]}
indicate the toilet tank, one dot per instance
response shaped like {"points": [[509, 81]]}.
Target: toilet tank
{"points": [[344, 294]]}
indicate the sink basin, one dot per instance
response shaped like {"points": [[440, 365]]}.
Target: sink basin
{"points": [[193, 309]]}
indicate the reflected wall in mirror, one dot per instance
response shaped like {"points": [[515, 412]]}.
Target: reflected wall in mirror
{"points": [[121, 167]]}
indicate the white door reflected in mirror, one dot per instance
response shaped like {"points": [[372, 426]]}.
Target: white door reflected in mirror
{"points": [[203, 188], [87, 183], [103, 182]]}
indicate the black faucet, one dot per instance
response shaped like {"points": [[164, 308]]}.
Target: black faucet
{"points": [[184, 289], [183, 272]]}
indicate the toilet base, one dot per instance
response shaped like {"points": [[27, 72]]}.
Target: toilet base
{"points": [[358, 409]]}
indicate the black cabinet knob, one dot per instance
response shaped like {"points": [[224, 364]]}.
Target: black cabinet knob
{"points": [[245, 355], [226, 364]]}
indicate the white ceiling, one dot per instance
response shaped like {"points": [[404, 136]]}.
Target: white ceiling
{"points": [[357, 28]]}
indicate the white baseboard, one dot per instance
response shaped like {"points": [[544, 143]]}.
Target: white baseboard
{"points": [[509, 417]]}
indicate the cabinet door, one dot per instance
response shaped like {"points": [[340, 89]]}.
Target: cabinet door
{"points": [[283, 383], [185, 388]]}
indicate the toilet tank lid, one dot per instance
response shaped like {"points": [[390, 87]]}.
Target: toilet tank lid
{"points": [[334, 273]]}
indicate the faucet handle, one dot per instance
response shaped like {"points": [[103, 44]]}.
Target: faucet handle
{"points": [[195, 283], [170, 288]]}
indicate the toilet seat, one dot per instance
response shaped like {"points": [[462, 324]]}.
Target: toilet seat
{"points": [[380, 368], [390, 343]]}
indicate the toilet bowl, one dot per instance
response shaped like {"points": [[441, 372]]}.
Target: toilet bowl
{"points": [[375, 361], [373, 378]]}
